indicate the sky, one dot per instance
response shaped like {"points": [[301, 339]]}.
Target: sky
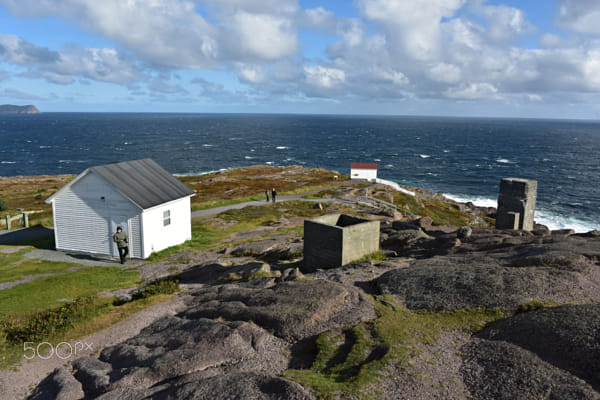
{"points": [[496, 58]]}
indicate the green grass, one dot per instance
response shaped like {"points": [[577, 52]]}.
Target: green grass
{"points": [[345, 363], [374, 256], [16, 269], [41, 293], [442, 213], [207, 237], [72, 320], [224, 202], [535, 304]]}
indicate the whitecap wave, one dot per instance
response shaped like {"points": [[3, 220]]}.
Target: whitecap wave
{"points": [[552, 220], [281, 147], [8, 162], [270, 162], [424, 155], [45, 147], [503, 161], [248, 157], [203, 172], [207, 145]]}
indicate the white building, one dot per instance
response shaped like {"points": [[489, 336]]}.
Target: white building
{"points": [[363, 171], [149, 203]]}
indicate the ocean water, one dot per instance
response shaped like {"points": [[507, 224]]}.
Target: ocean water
{"points": [[464, 158]]}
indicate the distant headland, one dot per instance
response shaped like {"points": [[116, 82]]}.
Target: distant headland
{"points": [[12, 109]]}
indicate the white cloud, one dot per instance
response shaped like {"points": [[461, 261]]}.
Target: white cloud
{"points": [[443, 72], [18, 51], [261, 36], [580, 16], [505, 23], [164, 32], [250, 73], [591, 69], [324, 77], [414, 26], [473, 91]]}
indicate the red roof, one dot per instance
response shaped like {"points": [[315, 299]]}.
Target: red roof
{"points": [[363, 166]]}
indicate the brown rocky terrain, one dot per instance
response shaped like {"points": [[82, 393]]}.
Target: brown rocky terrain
{"points": [[442, 312]]}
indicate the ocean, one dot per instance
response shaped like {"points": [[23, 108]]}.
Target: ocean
{"points": [[463, 158]]}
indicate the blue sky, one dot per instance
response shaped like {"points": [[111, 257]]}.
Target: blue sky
{"points": [[528, 58]]}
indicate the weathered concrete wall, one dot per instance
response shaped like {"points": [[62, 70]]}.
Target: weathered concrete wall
{"points": [[334, 240], [516, 204], [323, 243], [359, 240]]}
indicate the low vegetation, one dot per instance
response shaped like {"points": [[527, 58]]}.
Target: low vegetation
{"points": [[250, 183], [441, 212], [28, 193], [346, 362]]}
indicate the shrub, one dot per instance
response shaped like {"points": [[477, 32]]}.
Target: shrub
{"points": [[163, 286], [45, 324], [3, 206]]}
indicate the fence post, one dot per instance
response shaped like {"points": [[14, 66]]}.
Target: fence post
{"points": [[8, 222], [25, 220]]}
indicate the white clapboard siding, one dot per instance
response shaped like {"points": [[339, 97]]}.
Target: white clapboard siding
{"points": [[82, 216], [135, 237], [156, 235]]}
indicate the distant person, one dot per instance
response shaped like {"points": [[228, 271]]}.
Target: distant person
{"points": [[267, 194], [273, 194], [122, 241]]}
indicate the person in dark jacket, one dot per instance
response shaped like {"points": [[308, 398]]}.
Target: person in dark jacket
{"points": [[122, 241], [273, 195], [267, 194]]}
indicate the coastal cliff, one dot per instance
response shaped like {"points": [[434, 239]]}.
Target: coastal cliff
{"points": [[450, 307], [12, 109]]}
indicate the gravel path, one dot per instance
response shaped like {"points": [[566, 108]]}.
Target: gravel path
{"points": [[18, 384], [217, 210]]}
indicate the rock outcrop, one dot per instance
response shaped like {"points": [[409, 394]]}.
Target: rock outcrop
{"points": [[246, 318]]}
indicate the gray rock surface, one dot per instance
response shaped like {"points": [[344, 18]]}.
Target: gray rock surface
{"points": [[567, 337], [172, 347], [557, 271], [292, 310], [501, 370], [60, 385]]}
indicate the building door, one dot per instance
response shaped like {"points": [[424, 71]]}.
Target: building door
{"points": [[115, 221]]}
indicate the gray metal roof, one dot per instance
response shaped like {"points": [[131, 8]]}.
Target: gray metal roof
{"points": [[144, 182]]}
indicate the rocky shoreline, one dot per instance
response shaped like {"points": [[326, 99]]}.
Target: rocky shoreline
{"points": [[254, 325]]}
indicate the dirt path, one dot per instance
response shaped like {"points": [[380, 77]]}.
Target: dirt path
{"points": [[18, 384]]}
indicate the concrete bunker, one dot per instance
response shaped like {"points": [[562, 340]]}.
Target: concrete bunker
{"points": [[516, 204], [338, 239]]}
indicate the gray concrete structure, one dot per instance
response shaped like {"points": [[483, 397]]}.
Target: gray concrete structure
{"points": [[337, 239], [516, 204]]}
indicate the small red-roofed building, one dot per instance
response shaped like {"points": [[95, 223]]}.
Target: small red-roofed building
{"points": [[366, 171]]}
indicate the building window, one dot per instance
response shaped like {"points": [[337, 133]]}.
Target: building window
{"points": [[167, 218]]}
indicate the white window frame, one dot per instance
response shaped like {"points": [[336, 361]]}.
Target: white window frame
{"points": [[166, 217]]}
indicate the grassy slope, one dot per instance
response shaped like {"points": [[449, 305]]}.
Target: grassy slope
{"points": [[347, 362]]}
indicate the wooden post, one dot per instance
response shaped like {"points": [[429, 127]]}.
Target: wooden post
{"points": [[26, 220], [8, 222]]}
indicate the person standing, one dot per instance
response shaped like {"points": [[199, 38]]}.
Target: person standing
{"points": [[273, 194], [122, 241], [267, 194]]}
